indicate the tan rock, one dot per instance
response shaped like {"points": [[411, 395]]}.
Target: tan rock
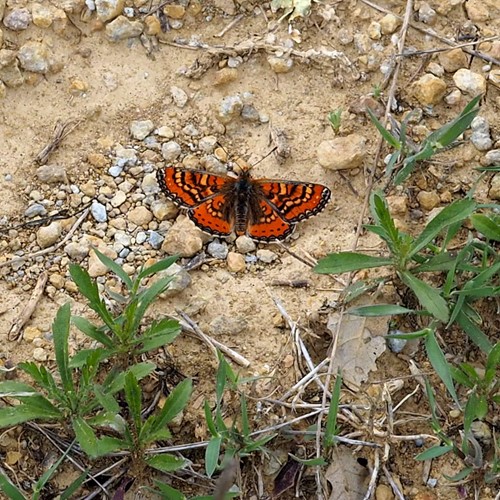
{"points": [[470, 82], [235, 262], [429, 89], [342, 152], [389, 24], [183, 239], [494, 192], [477, 11], [428, 199], [225, 75], [174, 11], [140, 216], [453, 60], [398, 204]]}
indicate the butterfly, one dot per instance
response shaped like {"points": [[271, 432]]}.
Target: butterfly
{"points": [[263, 209]]}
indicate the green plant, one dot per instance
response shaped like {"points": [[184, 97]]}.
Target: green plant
{"points": [[376, 91], [335, 119], [124, 334], [405, 157]]}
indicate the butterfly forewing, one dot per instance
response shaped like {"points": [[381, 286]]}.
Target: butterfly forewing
{"points": [[295, 201], [189, 188]]}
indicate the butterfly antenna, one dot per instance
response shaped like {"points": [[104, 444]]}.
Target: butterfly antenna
{"points": [[263, 158]]}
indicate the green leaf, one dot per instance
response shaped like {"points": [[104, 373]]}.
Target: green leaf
{"points": [[343, 262], [60, 329], [85, 437], [410, 336], [460, 475], [81, 358], [455, 212], [440, 365], [36, 408], [157, 267], [212, 455], [116, 381], [166, 462], [133, 398], [474, 332], [379, 310], [92, 331], [9, 489], [311, 462], [434, 452], [70, 491], [441, 262], [487, 226], [358, 288], [331, 429], [209, 420], [169, 493], [388, 137], [428, 296], [160, 334], [113, 266], [258, 444]]}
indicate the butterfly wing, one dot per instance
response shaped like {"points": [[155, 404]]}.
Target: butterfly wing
{"points": [[190, 188], [295, 201], [269, 226], [212, 216]]}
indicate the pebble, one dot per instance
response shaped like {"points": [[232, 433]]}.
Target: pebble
{"points": [[236, 262], [31, 333], [229, 108], [428, 199], [125, 156], [56, 280], [245, 244], [342, 152], [225, 75], [389, 24], [155, 239], [122, 29], [170, 150], [141, 237], [181, 279], [396, 345], [118, 199], [217, 250], [17, 19], [96, 268], [98, 211], [207, 143], [453, 98], [41, 15], [39, 354], [122, 238], [48, 235], [427, 14], [115, 170], [77, 250], [452, 60], [191, 130], [398, 204], [469, 82], [374, 31], [36, 57], [34, 210], [492, 157], [266, 256], [165, 131], [174, 11], [108, 9], [249, 113], [429, 89], [183, 239], [149, 184], [478, 11], [228, 325], [140, 216], [480, 136], [383, 492], [494, 191], [179, 96], [164, 209], [140, 129], [51, 174], [227, 6], [280, 64]]}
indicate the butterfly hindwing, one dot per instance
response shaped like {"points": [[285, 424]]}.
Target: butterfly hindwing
{"points": [[270, 225], [211, 216], [189, 188], [295, 201]]}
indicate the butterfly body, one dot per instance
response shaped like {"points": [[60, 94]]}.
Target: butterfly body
{"points": [[265, 210]]}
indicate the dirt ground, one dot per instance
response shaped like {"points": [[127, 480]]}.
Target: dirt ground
{"points": [[109, 85]]}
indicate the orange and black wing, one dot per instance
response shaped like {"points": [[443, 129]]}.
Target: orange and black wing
{"points": [[211, 216], [270, 226], [295, 201], [190, 188]]}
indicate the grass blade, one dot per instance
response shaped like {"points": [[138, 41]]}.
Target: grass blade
{"points": [[343, 262], [379, 310]]}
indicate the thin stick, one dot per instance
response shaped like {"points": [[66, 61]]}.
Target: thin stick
{"points": [[231, 25], [190, 326], [61, 131], [393, 484], [36, 295], [373, 478], [53, 248]]}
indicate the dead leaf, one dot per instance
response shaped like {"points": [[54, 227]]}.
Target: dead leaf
{"points": [[359, 345], [348, 478], [286, 477], [295, 8]]}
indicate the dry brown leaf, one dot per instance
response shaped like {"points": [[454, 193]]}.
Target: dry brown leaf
{"points": [[348, 478]]}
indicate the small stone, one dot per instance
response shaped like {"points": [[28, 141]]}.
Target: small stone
{"points": [[383, 492], [121, 29], [427, 14], [469, 82], [51, 174], [230, 107], [3, 90], [152, 26], [48, 235], [398, 204], [174, 11], [36, 57], [34, 210], [435, 69], [42, 15], [118, 199], [115, 170], [374, 31], [342, 152], [494, 77], [10, 74], [481, 431], [236, 262], [164, 209], [183, 239], [191, 130], [155, 239], [389, 24], [207, 144], [96, 267], [480, 136], [56, 280], [249, 113], [452, 60], [140, 216], [227, 6], [362, 43], [477, 10], [108, 9], [31, 333], [78, 87], [396, 345], [170, 151], [280, 64], [494, 192], [140, 129], [429, 89], [165, 131], [179, 96], [98, 211], [217, 250], [245, 244], [122, 238], [453, 98], [39, 354], [492, 157], [266, 256], [428, 199], [228, 325], [225, 75], [181, 279], [149, 184], [77, 250], [17, 19]]}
